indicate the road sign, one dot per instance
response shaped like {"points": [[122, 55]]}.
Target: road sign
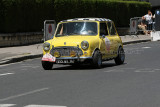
{"points": [[49, 29], [133, 25], [157, 20]]}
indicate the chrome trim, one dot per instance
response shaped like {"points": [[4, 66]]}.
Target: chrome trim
{"points": [[65, 51], [74, 58], [86, 57]]}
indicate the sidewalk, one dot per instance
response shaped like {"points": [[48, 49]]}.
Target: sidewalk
{"points": [[20, 53], [127, 39]]}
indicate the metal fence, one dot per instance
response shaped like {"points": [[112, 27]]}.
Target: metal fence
{"points": [[137, 25]]}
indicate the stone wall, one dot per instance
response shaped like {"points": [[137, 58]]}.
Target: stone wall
{"points": [[123, 31], [18, 39]]}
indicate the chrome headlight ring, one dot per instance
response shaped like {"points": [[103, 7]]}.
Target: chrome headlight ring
{"points": [[46, 46], [84, 45]]}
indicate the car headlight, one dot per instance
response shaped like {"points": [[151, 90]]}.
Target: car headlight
{"points": [[84, 45], [46, 46]]}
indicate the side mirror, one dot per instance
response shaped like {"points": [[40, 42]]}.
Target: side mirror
{"points": [[103, 36]]}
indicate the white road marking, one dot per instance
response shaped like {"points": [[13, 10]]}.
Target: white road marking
{"points": [[115, 70], [10, 64], [23, 94], [145, 70], [128, 68], [35, 66], [30, 66], [156, 69], [32, 105], [110, 70], [148, 70], [7, 105], [23, 69], [27, 66], [146, 47], [43, 106], [120, 70], [6, 74]]}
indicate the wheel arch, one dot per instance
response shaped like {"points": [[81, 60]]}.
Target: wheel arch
{"points": [[120, 46], [95, 51]]}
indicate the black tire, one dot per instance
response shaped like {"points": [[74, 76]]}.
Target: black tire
{"points": [[47, 65], [121, 56], [97, 59], [75, 64]]}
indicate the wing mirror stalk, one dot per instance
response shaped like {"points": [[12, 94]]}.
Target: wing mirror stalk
{"points": [[103, 36]]}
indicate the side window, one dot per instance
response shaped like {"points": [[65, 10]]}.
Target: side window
{"points": [[111, 29], [103, 29]]}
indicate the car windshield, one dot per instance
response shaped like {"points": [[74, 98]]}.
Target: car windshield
{"points": [[77, 28]]}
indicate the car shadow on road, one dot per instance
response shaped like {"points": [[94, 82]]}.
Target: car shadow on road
{"points": [[85, 67]]}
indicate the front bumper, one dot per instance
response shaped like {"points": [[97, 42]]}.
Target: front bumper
{"points": [[75, 59]]}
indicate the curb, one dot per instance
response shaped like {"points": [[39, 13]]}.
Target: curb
{"points": [[19, 58], [138, 41], [22, 58]]}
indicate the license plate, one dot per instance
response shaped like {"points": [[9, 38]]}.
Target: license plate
{"points": [[64, 61]]}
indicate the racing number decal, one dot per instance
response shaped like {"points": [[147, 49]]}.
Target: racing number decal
{"points": [[48, 57], [107, 43]]}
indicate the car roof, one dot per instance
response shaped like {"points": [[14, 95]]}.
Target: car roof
{"points": [[87, 19]]}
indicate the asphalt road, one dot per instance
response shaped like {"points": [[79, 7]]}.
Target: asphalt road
{"points": [[133, 84]]}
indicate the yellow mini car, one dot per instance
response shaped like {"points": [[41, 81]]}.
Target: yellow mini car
{"points": [[83, 40]]}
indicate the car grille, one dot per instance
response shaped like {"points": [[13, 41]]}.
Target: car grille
{"points": [[65, 51]]}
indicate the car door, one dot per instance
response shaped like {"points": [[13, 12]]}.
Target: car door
{"points": [[104, 40], [113, 37]]}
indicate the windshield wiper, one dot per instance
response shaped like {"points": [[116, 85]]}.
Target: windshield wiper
{"points": [[60, 35], [74, 34]]}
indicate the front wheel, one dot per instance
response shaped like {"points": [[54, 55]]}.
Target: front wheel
{"points": [[97, 59], [121, 56], [47, 65]]}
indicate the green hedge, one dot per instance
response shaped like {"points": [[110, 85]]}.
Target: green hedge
{"points": [[25, 15], [28, 15], [119, 11]]}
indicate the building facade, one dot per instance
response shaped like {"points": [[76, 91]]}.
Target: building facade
{"points": [[155, 3]]}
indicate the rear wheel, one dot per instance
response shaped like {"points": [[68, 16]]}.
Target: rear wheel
{"points": [[47, 65], [97, 59], [121, 56]]}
